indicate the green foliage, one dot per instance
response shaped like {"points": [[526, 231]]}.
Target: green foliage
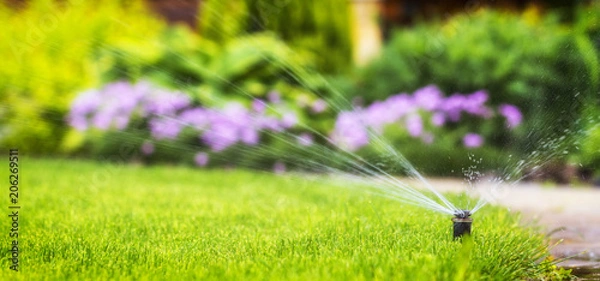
{"points": [[87, 220], [319, 27], [587, 32], [590, 142], [47, 52], [240, 69], [588, 22], [526, 60]]}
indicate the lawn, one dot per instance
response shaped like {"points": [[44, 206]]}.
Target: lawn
{"points": [[87, 220]]}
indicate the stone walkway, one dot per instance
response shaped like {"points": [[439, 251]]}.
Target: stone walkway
{"points": [[570, 216]]}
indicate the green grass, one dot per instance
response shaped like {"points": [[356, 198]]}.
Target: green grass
{"points": [[92, 221]]}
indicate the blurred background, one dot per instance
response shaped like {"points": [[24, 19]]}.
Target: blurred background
{"points": [[245, 82]]}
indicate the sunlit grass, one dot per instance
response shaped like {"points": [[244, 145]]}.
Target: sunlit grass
{"points": [[85, 220]]}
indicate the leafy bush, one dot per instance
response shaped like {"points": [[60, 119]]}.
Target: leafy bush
{"points": [[241, 69], [309, 25], [532, 62], [589, 154], [47, 52]]}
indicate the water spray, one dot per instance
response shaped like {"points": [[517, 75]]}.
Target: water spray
{"points": [[462, 223]]}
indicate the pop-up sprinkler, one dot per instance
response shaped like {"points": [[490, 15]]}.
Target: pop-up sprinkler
{"points": [[462, 223]]}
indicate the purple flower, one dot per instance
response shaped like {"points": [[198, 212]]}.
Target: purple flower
{"points": [[249, 136], [78, 122], [102, 120], [196, 118], [116, 103], [305, 139], [235, 112], [121, 121], [474, 104], [201, 159], [399, 105], [165, 128], [319, 106], [279, 167], [453, 106], [119, 101], [380, 114], [289, 119], [228, 126], [350, 131], [377, 115], [123, 97], [428, 98], [259, 106], [414, 125], [221, 135], [268, 123], [161, 102], [142, 88], [472, 140], [147, 148], [86, 102], [82, 107], [512, 114], [438, 119]]}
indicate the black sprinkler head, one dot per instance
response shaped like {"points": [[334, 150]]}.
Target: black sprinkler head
{"points": [[462, 214], [462, 223]]}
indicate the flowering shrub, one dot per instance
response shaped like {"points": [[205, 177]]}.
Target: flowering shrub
{"points": [[422, 115], [589, 154], [165, 115], [499, 52]]}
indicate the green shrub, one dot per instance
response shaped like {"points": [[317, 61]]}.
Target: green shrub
{"points": [[589, 153], [47, 51], [240, 69], [591, 147], [532, 62], [587, 28], [319, 27]]}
